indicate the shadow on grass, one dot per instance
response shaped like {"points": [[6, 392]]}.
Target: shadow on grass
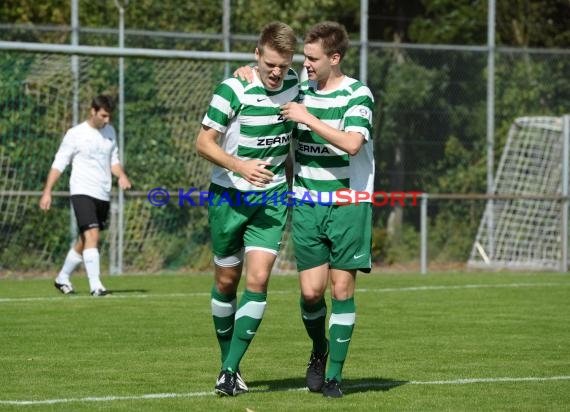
{"points": [[289, 384], [370, 384], [124, 291], [348, 385]]}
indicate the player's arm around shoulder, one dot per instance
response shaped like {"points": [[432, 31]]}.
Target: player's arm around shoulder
{"points": [[244, 73]]}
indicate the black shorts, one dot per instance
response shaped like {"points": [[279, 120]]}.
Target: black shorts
{"points": [[90, 212]]}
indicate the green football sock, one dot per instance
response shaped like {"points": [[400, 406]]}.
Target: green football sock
{"points": [[223, 313], [314, 317], [248, 318], [341, 325]]}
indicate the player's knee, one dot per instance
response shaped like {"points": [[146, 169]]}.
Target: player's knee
{"points": [[342, 291], [227, 285], [90, 238], [311, 297], [257, 281]]}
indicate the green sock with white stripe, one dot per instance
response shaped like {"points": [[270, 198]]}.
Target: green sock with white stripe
{"points": [[314, 318], [248, 318], [341, 325], [223, 314]]}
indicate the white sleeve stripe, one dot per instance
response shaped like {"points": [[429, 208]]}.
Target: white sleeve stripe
{"points": [[362, 130], [214, 125], [222, 105]]}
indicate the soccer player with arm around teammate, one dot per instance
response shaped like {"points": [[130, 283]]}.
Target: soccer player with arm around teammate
{"points": [[91, 148], [247, 139], [333, 151]]}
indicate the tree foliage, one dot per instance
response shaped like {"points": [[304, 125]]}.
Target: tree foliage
{"points": [[429, 133]]}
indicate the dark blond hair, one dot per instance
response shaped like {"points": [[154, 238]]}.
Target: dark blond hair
{"points": [[333, 36], [278, 36]]}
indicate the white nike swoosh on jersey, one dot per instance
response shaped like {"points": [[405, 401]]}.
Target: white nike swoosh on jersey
{"points": [[359, 256], [249, 332], [339, 340], [224, 331]]}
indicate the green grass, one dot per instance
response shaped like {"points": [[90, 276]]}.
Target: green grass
{"points": [[439, 342]]}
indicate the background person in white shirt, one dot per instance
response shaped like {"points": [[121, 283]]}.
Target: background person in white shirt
{"points": [[91, 148]]}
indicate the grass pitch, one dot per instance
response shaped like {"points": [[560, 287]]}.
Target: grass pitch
{"points": [[439, 342]]}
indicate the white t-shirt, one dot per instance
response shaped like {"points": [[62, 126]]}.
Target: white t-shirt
{"points": [[91, 152]]}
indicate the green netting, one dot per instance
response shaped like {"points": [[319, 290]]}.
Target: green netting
{"points": [[165, 101]]}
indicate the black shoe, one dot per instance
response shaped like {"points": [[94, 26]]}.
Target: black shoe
{"points": [[66, 289], [226, 384], [241, 386], [315, 376], [331, 389], [100, 292]]}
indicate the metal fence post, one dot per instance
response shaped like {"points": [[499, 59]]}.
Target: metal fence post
{"points": [[73, 230], [121, 217], [423, 234], [564, 204]]}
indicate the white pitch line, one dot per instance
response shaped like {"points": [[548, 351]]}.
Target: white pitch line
{"points": [[468, 286], [108, 398], [462, 381], [492, 380], [119, 295]]}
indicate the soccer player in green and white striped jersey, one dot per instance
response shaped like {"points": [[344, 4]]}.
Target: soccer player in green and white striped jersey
{"points": [[247, 138], [333, 151]]}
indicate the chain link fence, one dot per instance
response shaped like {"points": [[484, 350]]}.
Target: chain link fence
{"points": [[429, 136]]}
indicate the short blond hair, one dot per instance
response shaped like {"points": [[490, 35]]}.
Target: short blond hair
{"points": [[278, 36]]}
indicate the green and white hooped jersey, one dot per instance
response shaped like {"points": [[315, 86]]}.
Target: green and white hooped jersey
{"points": [[247, 115], [320, 166]]}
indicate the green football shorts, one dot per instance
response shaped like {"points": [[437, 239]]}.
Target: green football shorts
{"points": [[246, 219], [339, 235]]}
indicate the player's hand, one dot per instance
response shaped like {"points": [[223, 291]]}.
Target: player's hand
{"points": [[244, 73], [295, 111], [45, 201], [255, 172], [124, 182]]}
